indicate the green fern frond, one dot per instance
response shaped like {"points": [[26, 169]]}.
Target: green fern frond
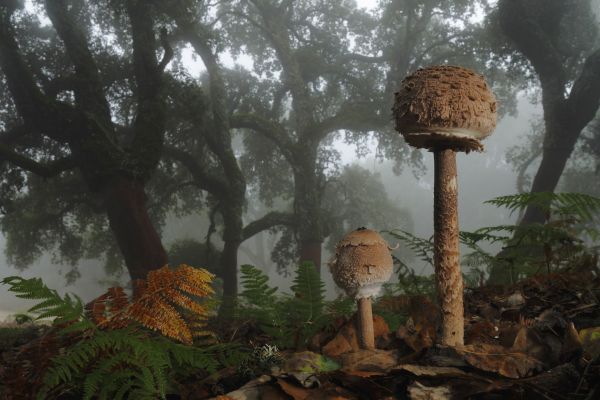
{"points": [[423, 248], [65, 309], [256, 290], [309, 293], [580, 205]]}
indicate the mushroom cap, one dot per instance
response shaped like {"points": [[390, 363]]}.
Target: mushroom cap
{"points": [[445, 107], [362, 263]]}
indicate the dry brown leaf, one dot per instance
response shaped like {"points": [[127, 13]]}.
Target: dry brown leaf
{"points": [[297, 392], [493, 358], [370, 360], [347, 338]]}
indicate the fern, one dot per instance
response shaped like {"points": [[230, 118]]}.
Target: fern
{"points": [[579, 205], [64, 309], [307, 303], [290, 320], [112, 352], [309, 293], [423, 248], [256, 291]]}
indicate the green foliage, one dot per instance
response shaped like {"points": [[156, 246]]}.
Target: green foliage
{"points": [[64, 309], [307, 305], [580, 206], [131, 362], [526, 250], [256, 290], [423, 248], [290, 320]]}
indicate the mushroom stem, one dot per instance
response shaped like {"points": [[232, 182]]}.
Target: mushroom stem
{"points": [[449, 281], [365, 324]]}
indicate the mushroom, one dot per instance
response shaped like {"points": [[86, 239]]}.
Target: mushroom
{"points": [[362, 263], [446, 109]]}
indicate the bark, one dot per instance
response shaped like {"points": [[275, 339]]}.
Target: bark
{"points": [[449, 281], [136, 236], [311, 251], [307, 209], [554, 159], [365, 324], [228, 268]]}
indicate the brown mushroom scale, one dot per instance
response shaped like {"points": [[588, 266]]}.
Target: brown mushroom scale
{"points": [[362, 263], [445, 106]]}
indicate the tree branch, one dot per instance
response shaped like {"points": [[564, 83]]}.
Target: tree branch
{"points": [[363, 58], [353, 116], [44, 170], [270, 129], [149, 124], [521, 24], [89, 92], [266, 222], [14, 134], [206, 181], [168, 55], [584, 99], [33, 106]]}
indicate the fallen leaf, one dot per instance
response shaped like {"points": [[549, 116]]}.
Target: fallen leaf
{"points": [[370, 360], [498, 359], [418, 391], [346, 339], [590, 341]]}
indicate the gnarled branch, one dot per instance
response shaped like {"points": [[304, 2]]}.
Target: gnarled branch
{"points": [[268, 221], [44, 170]]}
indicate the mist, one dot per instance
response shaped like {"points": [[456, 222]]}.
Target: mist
{"points": [[251, 68]]}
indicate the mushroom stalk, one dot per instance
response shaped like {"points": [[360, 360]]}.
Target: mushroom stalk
{"points": [[446, 247], [365, 324]]}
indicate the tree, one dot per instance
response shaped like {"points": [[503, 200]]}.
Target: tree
{"points": [[334, 69], [60, 88], [558, 39], [209, 134]]}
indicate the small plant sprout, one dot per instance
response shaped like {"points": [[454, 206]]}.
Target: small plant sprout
{"points": [[446, 109], [362, 264]]}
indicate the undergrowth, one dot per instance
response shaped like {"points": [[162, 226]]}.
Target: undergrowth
{"points": [[565, 240], [116, 348], [291, 320]]}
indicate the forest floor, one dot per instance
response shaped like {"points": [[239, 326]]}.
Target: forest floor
{"points": [[537, 339]]}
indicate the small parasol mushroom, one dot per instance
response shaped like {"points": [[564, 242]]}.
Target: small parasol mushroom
{"points": [[446, 109], [362, 264]]}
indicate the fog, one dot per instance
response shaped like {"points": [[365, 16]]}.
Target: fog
{"points": [[481, 176]]}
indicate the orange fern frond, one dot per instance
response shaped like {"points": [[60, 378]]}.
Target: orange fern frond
{"points": [[155, 303], [103, 310]]}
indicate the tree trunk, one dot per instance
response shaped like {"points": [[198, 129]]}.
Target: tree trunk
{"points": [[136, 236], [232, 237], [448, 278], [307, 210], [310, 250], [229, 273], [554, 158]]}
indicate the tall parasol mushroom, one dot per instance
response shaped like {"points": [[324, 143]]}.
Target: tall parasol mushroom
{"points": [[446, 109], [362, 264]]}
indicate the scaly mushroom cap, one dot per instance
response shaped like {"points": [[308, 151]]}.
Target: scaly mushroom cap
{"points": [[445, 106], [362, 263]]}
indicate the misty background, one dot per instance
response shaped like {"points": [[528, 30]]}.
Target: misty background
{"points": [[482, 176]]}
